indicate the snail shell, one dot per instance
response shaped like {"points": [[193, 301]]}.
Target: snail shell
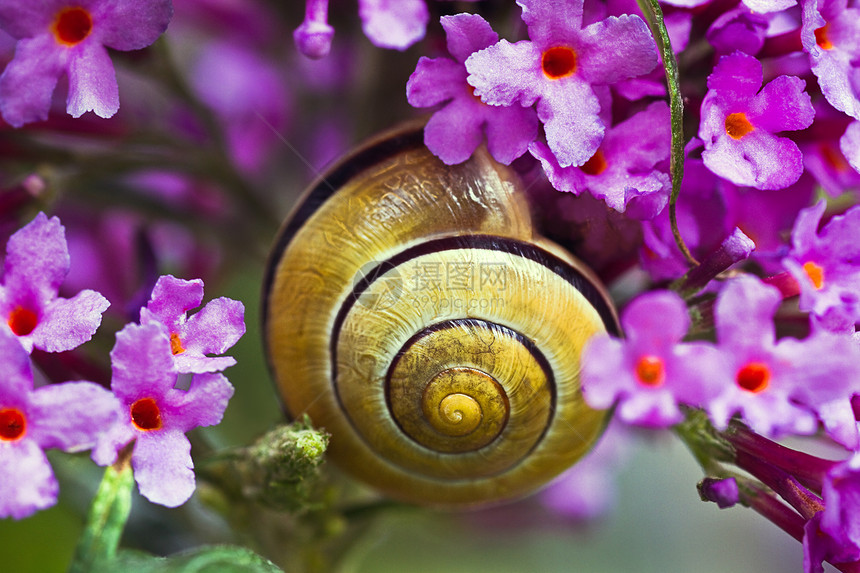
{"points": [[412, 310]]}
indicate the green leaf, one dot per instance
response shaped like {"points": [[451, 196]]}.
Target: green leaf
{"points": [[213, 559]]}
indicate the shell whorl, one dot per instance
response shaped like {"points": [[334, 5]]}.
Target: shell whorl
{"points": [[413, 311]]}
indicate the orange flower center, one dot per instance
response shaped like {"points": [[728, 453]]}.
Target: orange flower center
{"points": [[22, 321], [737, 125], [13, 425], [753, 377], [822, 37], [651, 371], [72, 26], [176, 344], [815, 274], [595, 165], [558, 62], [832, 155], [145, 415]]}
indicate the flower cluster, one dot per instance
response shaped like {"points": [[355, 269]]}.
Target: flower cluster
{"points": [[144, 405], [727, 225], [777, 94]]}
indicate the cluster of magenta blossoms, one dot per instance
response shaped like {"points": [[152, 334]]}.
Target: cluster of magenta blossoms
{"points": [[753, 281], [146, 405]]}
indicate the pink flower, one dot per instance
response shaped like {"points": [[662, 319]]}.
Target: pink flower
{"points": [[70, 36], [37, 262]]}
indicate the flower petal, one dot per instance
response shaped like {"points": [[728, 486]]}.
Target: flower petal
{"points": [[736, 77], [782, 105], [199, 364], [28, 19], [761, 160], [37, 260], [15, 371], [171, 298], [163, 468], [573, 129], [92, 82], [142, 363], [72, 415], [131, 25], [662, 317], [68, 323], [744, 313], [632, 50], [506, 73], [455, 131], [552, 21], [216, 327], [435, 81], [204, 403], [27, 483], [510, 130], [467, 33], [849, 144], [393, 24]]}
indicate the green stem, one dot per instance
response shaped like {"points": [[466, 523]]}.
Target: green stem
{"points": [[654, 15], [107, 517]]}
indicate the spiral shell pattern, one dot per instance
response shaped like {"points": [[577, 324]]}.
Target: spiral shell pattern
{"points": [[412, 310]]}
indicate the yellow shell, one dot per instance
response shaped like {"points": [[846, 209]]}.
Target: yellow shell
{"points": [[412, 310]]}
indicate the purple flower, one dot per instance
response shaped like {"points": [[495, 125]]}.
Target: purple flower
{"points": [[831, 36], [833, 534], [738, 29], [558, 68], [393, 24], [212, 330], [841, 515], [723, 492], [68, 416], [313, 37], [65, 36], [739, 121], [157, 415], [826, 264], [650, 372], [37, 261], [453, 133], [757, 377], [849, 145], [624, 169], [769, 382]]}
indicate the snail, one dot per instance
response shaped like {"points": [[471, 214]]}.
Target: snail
{"points": [[414, 312]]}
